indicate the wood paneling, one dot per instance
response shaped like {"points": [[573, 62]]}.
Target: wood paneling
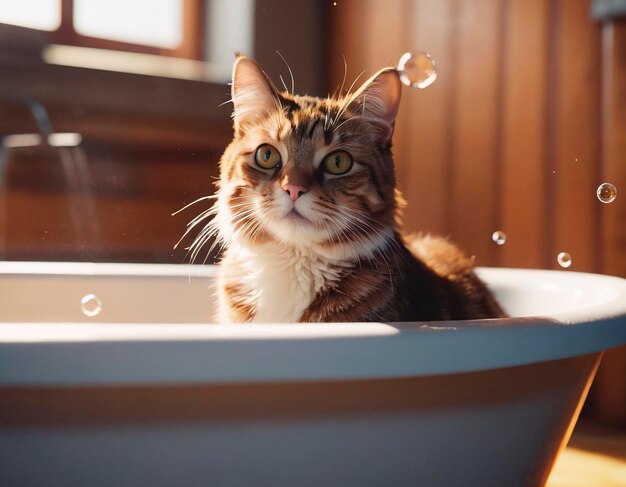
{"points": [[298, 31], [425, 125], [614, 146], [473, 173], [523, 215], [575, 215], [609, 391], [114, 206]]}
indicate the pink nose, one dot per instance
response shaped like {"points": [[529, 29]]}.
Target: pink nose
{"points": [[295, 191]]}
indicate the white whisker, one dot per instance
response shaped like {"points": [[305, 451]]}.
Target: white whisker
{"points": [[293, 85], [203, 198]]}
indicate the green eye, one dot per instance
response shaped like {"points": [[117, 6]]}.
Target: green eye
{"points": [[338, 162], [267, 157]]}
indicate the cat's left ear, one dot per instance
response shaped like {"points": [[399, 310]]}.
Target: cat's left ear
{"points": [[378, 100], [253, 93]]}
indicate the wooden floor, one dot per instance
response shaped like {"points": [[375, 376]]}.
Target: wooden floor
{"points": [[595, 457]]}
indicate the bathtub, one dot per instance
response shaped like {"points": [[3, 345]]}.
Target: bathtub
{"points": [[146, 393]]}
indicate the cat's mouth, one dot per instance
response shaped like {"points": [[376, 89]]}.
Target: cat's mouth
{"points": [[295, 215]]}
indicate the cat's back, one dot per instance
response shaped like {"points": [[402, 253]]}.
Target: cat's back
{"points": [[457, 292]]}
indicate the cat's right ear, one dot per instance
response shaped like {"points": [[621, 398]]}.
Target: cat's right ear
{"points": [[253, 94]]}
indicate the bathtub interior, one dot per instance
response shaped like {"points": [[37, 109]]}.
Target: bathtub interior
{"points": [[156, 293]]}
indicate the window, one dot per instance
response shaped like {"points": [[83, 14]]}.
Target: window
{"points": [[165, 27], [157, 23], [34, 14]]}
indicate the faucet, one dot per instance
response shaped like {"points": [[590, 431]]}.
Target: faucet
{"points": [[45, 135]]}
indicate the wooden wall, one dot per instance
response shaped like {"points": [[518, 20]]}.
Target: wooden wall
{"points": [[510, 135], [527, 117]]}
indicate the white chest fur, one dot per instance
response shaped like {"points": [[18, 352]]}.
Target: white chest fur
{"points": [[285, 281]]}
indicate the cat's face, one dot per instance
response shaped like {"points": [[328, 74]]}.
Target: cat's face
{"points": [[309, 172]]}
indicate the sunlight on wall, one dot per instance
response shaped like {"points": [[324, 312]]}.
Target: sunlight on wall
{"points": [[35, 14]]}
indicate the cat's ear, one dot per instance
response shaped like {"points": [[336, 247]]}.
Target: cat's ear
{"points": [[252, 92], [378, 100]]}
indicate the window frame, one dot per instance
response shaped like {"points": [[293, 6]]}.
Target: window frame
{"points": [[191, 46]]}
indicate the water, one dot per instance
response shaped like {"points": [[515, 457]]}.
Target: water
{"points": [[67, 148], [90, 305], [564, 259], [606, 193], [499, 237], [417, 70], [82, 204]]}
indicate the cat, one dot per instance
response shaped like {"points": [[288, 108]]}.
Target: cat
{"points": [[308, 211]]}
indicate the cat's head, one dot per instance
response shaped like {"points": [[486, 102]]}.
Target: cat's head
{"points": [[313, 173]]}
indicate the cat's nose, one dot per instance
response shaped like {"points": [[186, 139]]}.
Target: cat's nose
{"points": [[295, 190]]}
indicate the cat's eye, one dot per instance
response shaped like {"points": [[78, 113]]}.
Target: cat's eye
{"points": [[337, 163], [267, 157]]}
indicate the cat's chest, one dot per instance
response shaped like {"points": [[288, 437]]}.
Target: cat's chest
{"points": [[285, 282]]}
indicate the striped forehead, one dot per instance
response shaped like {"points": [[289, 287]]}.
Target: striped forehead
{"points": [[308, 118]]}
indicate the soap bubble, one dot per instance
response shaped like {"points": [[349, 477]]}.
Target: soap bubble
{"points": [[499, 237], [606, 193], [564, 259], [417, 70], [90, 305]]}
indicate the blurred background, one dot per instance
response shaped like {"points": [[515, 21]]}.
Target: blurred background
{"points": [[112, 117]]}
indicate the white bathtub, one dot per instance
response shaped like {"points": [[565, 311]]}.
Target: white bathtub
{"points": [[146, 394]]}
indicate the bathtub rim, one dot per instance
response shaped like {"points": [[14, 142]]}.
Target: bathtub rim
{"points": [[616, 306], [81, 353]]}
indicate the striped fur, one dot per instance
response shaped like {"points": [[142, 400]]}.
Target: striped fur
{"points": [[335, 253]]}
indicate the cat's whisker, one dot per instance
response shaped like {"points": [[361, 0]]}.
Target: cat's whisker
{"points": [[196, 221], [189, 229], [210, 231], [217, 242], [230, 100], [283, 82], [202, 216], [345, 74], [339, 232], [255, 230], [377, 230], [348, 100], [293, 85], [366, 228], [202, 198], [353, 117]]}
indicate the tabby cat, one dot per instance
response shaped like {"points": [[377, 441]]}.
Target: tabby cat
{"points": [[308, 211]]}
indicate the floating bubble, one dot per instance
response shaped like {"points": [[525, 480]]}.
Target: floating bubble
{"points": [[564, 259], [90, 305], [606, 193], [417, 70], [499, 237]]}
